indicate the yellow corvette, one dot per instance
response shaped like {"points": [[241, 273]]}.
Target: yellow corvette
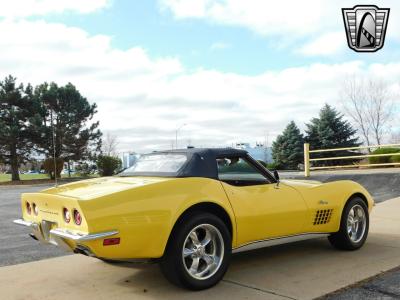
{"points": [[190, 209]]}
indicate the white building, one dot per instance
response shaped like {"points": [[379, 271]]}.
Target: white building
{"points": [[258, 152], [128, 159]]}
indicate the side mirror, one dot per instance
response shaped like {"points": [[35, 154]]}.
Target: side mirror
{"points": [[276, 175]]}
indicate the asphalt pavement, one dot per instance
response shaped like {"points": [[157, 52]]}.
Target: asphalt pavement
{"points": [[385, 286], [15, 245], [383, 184]]}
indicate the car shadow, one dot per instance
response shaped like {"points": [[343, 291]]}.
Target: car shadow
{"points": [[145, 274]]}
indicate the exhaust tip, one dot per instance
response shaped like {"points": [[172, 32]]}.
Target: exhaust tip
{"points": [[33, 236], [83, 250]]}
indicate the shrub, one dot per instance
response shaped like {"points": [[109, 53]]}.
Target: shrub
{"points": [[48, 166], [108, 165], [385, 159], [272, 166], [83, 169], [240, 167], [395, 158]]}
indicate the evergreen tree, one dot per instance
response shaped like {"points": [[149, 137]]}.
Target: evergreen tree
{"points": [[16, 116], [287, 149], [76, 137], [330, 130]]}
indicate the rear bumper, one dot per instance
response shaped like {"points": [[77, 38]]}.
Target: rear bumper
{"points": [[81, 237], [45, 234]]}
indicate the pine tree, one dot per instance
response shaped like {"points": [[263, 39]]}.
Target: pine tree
{"points": [[16, 115], [330, 130], [287, 149], [69, 114]]}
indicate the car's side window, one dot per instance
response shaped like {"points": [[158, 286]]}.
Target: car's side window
{"points": [[238, 171]]}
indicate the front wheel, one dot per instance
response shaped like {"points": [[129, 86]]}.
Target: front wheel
{"points": [[198, 252], [354, 226]]}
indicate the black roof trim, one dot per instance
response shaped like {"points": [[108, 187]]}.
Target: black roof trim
{"points": [[216, 152]]}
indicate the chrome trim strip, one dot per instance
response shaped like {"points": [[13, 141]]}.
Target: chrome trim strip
{"points": [[279, 241], [59, 232], [23, 222], [81, 237]]}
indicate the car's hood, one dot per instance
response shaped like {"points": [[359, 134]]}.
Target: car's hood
{"points": [[93, 188]]}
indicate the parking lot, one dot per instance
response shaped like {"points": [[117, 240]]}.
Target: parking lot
{"points": [[303, 270], [15, 245]]}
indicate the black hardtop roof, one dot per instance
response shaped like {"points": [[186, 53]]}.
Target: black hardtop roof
{"points": [[201, 162], [214, 152]]}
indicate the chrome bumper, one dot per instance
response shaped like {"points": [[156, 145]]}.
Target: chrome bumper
{"points": [[81, 237], [23, 222], [42, 232]]}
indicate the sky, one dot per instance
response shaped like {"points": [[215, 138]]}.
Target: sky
{"points": [[231, 70]]}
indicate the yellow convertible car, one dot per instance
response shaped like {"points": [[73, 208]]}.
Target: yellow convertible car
{"points": [[190, 209]]}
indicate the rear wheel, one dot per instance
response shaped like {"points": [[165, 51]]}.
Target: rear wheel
{"points": [[198, 253], [354, 226]]}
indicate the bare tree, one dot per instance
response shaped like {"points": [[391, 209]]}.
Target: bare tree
{"points": [[353, 96], [379, 107], [369, 105], [110, 144]]}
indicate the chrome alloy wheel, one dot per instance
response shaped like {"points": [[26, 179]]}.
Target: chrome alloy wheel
{"points": [[203, 251], [356, 223]]}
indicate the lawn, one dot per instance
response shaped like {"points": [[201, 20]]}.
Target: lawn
{"points": [[7, 177]]}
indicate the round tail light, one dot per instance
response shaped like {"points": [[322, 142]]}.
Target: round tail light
{"points": [[67, 215], [35, 209], [77, 217], [28, 208]]}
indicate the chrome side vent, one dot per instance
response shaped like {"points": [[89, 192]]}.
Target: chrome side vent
{"points": [[323, 216]]}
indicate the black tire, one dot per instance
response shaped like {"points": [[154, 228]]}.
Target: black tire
{"points": [[342, 239], [174, 266]]}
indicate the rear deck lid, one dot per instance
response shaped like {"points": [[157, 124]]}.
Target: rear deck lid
{"points": [[98, 187]]}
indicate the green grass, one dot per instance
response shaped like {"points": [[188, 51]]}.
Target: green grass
{"points": [[7, 177]]}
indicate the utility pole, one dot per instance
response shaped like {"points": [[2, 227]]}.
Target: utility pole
{"points": [[266, 136]]}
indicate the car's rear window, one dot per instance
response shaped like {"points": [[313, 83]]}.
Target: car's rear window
{"points": [[159, 164]]}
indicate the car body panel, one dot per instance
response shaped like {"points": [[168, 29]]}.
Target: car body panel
{"points": [[144, 210], [140, 212], [98, 187], [266, 211], [328, 196], [144, 215]]}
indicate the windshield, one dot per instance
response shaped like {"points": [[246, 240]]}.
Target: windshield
{"points": [[156, 164]]}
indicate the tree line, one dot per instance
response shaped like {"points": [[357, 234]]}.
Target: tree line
{"points": [[328, 130], [368, 104], [46, 120]]}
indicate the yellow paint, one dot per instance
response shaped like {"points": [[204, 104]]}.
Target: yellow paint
{"points": [[144, 210]]}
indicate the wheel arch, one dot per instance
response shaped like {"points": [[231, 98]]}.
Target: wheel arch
{"points": [[359, 195], [352, 196], [206, 206]]}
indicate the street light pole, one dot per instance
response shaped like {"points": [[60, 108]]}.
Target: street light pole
{"points": [[176, 135]]}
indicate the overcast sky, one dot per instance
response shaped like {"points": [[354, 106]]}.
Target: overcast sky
{"points": [[232, 70]]}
